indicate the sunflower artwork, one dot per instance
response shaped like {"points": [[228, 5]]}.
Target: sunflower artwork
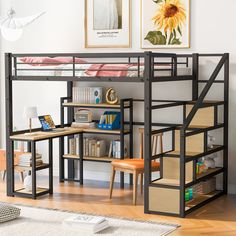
{"points": [[167, 26]]}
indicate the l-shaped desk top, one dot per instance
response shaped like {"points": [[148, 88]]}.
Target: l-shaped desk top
{"points": [[40, 135]]}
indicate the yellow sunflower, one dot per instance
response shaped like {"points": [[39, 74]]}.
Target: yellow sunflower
{"points": [[170, 15]]}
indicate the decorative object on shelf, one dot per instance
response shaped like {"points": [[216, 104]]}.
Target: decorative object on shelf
{"points": [[111, 96], [12, 27], [188, 194], [110, 120], [210, 141], [30, 113], [209, 162], [83, 116], [165, 24], [107, 23], [87, 95], [201, 167], [204, 187], [28, 182]]}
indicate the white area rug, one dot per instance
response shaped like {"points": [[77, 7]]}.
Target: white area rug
{"points": [[43, 222]]}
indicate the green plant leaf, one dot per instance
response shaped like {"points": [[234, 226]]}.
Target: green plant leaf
{"points": [[157, 1], [179, 30], [174, 33], [156, 38], [171, 37], [176, 41]]}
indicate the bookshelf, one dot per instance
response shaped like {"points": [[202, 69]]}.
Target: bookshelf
{"points": [[124, 104]]}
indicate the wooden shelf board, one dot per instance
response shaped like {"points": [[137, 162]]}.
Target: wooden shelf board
{"points": [[209, 171], [106, 105], [105, 158], [38, 190], [192, 154], [199, 199], [96, 130], [172, 182], [26, 168]]}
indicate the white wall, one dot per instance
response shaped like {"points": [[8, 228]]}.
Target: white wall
{"points": [[62, 30]]}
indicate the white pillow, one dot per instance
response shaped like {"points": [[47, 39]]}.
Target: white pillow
{"points": [[8, 212]]}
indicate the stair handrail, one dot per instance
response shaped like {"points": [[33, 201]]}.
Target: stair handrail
{"points": [[204, 92]]}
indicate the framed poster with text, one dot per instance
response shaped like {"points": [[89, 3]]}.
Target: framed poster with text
{"points": [[107, 23]]}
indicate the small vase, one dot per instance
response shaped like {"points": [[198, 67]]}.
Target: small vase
{"points": [[28, 183]]}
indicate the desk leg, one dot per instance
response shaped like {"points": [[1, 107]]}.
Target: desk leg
{"points": [[12, 170], [81, 155], [33, 151], [61, 159], [50, 146]]}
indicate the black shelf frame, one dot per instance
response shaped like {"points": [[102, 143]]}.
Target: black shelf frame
{"points": [[70, 108], [147, 78]]}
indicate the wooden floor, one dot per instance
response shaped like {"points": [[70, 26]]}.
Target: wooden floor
{"points": [[217, 218]]}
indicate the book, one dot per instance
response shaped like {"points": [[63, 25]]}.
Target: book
{"points": [[83, 125], [110, 150], [85, 223]]}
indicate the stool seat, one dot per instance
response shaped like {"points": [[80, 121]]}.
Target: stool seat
{"points": [[134, 164]]}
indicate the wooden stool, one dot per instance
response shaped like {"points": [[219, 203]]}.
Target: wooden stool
{"points": [[136, 166]]}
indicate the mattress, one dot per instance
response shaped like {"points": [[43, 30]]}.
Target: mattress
{"points": [[81, 70]]}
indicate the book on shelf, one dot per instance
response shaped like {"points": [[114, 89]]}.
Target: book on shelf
{"points": [[25, 159], [115, 149], [87, 95], [107, 119], [91, 147], [83, 125], [86, 224]]}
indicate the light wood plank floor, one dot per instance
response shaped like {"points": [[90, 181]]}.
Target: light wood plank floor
{"points": [[217, 218]]}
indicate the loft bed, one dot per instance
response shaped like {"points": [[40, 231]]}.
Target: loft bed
{"points": [[147, 68], [116, 67]]}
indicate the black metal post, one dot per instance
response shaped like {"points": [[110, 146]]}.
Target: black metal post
{"points": [[70, 115], [62, 145], [182, 172], [195, 68], [50, 157], [34, 185], [131, 141], [122, 142], [226, 123], [81, 157], [147, 127], [9, 122]]}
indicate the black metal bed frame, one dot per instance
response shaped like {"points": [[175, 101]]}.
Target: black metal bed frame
{"points": [[148, 60]]}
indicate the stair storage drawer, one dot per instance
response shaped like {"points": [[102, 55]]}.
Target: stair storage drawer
{"points": [[164, 200], [194, 143], [203, 117], [171, 169]]}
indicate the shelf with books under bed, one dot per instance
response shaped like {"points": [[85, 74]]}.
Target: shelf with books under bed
{"points": [[95, 127]]}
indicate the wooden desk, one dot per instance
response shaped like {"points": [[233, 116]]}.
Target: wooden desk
{"points": [[32, 139]]}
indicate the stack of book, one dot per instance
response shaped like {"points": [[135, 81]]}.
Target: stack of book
{"points": [[87, 95], [114, 150], [92, 147], [25, 159], [83, 125], [86, 224]]}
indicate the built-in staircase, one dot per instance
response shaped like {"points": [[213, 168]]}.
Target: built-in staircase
{"points": [[166, 195]]}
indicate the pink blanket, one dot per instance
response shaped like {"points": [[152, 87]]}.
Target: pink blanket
{"points": [[108, 70]]}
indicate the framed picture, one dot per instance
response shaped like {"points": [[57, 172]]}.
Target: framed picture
{"points": [[107, 23], [165, 24]]}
